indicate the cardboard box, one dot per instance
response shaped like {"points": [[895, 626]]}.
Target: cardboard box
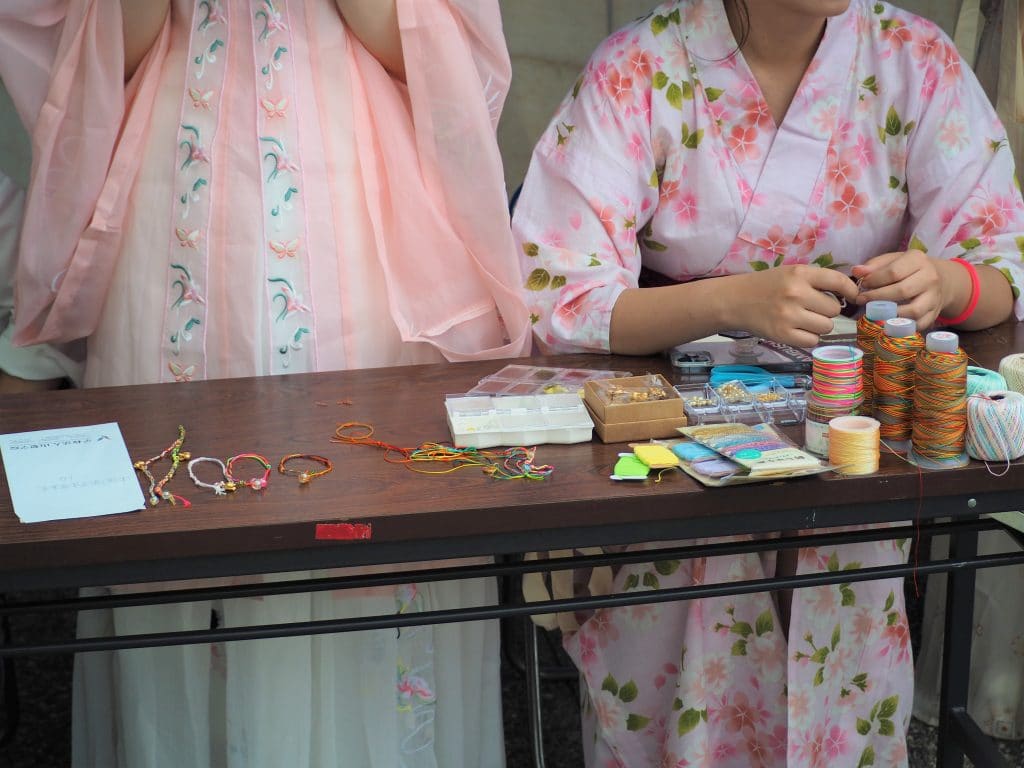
{"points": [[624, 413], [636, 430]]}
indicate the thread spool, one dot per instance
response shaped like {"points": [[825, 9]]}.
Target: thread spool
{"points": [[895, 354], [982, 380], [870, 326], [939, 424], [1011, 368], [995, 426], [853, 445], [836, 390]]}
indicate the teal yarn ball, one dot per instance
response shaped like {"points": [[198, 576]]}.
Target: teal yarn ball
{"points": [[981, 380]]}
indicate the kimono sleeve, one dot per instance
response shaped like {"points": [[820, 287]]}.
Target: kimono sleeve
{"points": [[590, 187], [964, 197]]}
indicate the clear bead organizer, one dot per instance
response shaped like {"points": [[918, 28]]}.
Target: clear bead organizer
{"points": [[735, 402], [482, 421]]}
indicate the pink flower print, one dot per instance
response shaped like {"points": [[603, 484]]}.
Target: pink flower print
{"points": [[799, 704], [667, 671], [990, 216], [925, 46], [863, 625], [602, 624], [835, 743], [848, 210], [635, 147], [608, 710], [757, 114], [837, 661], [638, 62], [823, 599], [863, 151], [759, 747], [723, 751], [809, 746], [929, 84], [587, 647], [898, 753], [950, 66], [825, 115], [776, 243], [275, 108], [896, 34], [742, 142], [739, 714], [643, 616], [685, 208], [842, 168], [620, 88], [954, 133], [897, 641], [715, 672], [607, 214], [671, 760], [768, 654]]}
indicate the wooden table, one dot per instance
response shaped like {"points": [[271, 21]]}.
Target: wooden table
{"points": [[415, 517]]}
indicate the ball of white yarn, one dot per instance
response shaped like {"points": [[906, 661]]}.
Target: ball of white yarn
{"points": [[995, 426], [1012, 369]]}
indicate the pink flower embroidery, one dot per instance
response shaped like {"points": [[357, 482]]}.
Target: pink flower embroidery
{"points": [[685, 208]]}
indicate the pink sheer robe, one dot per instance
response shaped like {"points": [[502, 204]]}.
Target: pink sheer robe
{"points": [[264, 198]]}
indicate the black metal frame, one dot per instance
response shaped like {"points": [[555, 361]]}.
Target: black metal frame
{"points": [[957, 733]]}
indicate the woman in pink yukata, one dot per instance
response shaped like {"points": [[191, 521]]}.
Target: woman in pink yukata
{"points": [[228, 188], [838, 141]]}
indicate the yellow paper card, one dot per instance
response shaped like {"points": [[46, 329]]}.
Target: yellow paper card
{"points": [[656, 456]]}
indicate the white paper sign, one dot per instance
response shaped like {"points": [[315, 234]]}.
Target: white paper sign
{"points": [[61, 474]]}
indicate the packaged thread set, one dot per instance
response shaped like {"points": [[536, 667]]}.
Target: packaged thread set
{"points": [[837, 389], [735, 402], [939, 419]]}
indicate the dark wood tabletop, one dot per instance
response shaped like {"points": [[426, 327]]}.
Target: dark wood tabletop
{"points": [[416, 516]]}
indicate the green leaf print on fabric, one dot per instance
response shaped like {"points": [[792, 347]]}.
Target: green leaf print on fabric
{"points": [[594, 261], [674, 96], [688, 720], [666, 567], [610, 685], [538, 280], [916, 244], [764, 624], [870, 84], [713, 93], [660, 80], [867, 757], [557, 281], [659, 24], [636, 722], [628, 692], [531, 249], [760, 266], [970, 243]]}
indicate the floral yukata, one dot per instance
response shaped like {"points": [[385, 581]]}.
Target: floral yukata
{"points": [[264, 198], [666, 156]]}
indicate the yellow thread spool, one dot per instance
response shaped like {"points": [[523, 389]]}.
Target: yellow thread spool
{"points": [[853, 445]]}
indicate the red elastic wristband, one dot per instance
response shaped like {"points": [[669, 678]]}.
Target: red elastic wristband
{"points": [[973, 303]]}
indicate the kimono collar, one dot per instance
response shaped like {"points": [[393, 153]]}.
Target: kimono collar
{"points": [[794, 158]]}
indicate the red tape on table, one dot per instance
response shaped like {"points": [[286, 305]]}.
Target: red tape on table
{"points": [[344, 531]]}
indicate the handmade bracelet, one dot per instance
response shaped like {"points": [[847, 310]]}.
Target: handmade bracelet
{"points": [[221, 487], [304, 475], [256, 483], [156, 489], [972, 304]]}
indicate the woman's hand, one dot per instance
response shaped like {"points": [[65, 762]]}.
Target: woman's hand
{"points": [[917, 283], [794, 304], [375, 23]]}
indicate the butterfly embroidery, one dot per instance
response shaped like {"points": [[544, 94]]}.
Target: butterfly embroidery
{"points": [[285, 248], [181, 374], [187, 238], [278, 109], [200, 99]]}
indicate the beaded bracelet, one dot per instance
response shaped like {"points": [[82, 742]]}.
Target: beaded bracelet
{"points": [[221, 487], [305, 476], [156, 489], [256, 483]]}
